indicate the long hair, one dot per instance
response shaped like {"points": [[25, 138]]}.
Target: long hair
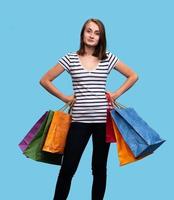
{"points": [[100, 49]]}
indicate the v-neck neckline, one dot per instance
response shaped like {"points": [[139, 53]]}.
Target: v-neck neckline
{"points": [[84, 68]]}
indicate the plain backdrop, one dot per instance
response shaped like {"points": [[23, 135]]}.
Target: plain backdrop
{"points": [[33, 36]]}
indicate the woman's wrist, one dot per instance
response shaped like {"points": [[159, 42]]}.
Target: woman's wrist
{"points": [[65, 99], [68, 99], [115, 95]]}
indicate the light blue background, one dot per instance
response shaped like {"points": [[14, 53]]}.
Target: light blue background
{"points": [[33, 36]]}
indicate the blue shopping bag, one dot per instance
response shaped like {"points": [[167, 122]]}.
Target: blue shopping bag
{"points": [[138, 135]]}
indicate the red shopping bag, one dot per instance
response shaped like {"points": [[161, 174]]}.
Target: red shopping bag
{"points": [[110, 135]]}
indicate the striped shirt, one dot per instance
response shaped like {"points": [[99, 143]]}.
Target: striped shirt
{"points": [[89, 87]]}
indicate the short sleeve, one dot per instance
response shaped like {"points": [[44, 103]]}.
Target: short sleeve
{"points": [[65, 62], [112, 60]]}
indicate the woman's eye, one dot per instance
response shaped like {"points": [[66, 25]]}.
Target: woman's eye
{"points": [[97, 33]]}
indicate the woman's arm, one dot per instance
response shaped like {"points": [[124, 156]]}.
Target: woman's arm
{"points": [[46, 82], [132, 77]]}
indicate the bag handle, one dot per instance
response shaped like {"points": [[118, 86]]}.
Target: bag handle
{"points": [[113, 103], [69, 104], [110, 103]]}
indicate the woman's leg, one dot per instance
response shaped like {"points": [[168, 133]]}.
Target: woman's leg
{"points": [[99, 161], [77, 139]]}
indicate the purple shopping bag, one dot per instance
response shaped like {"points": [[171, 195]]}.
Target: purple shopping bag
{"points": [[32, 133]]}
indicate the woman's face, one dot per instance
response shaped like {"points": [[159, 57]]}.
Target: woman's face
{"points": [[91, 34]]}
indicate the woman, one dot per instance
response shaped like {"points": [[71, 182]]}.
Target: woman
{"points": [[89, 68]]}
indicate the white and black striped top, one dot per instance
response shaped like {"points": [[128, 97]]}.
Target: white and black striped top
{"points": [[89, 87]]}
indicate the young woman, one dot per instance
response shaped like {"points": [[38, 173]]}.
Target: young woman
{"points": [[89, 68]]}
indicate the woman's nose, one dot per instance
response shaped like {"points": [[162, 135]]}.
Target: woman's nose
{"points": [[91, 36]]}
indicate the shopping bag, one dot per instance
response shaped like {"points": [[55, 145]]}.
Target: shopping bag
{"points": [[32, 133], [138, 135], [110, 135], [125, 154], [34, 149], [56, 137]]}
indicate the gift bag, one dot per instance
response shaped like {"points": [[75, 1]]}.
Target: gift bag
{"points": [[34, 149], [32, 133], [56, 138], [139, 136], [110, 135], [125, 154]]}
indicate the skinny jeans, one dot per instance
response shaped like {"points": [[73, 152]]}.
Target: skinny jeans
{"points": [[78, 136]]}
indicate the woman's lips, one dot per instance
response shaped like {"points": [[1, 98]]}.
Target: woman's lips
{"points": [[91, 40]]}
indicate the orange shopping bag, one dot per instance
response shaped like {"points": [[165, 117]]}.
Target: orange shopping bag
{"points": [[125, 155], [58, 130]]}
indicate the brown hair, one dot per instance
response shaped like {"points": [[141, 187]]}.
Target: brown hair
{"points": [[100, 49]]}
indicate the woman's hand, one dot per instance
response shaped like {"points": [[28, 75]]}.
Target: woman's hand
{"points": [[69, 99], [112, 96]]}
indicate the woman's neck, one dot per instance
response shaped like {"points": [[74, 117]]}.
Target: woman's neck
{"points": [[89, 50]]}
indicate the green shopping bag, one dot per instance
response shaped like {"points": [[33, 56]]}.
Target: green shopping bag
{"points": [[34, 149]]}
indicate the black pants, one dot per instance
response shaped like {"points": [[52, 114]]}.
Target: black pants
{"points": [[77, 139]]}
